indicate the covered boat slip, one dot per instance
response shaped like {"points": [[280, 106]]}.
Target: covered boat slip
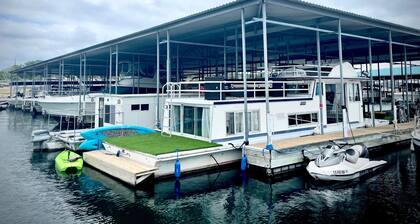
{"points": [[245, 41]]}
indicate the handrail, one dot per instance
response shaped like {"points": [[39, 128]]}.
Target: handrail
{"points": [[283, 89]]}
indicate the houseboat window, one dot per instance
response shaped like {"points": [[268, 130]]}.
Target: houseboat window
{"points": [[194, 120], [135, 107], [354, 94], [230, 123], [254, 120], [176, 126], [110, 114], [302, 119], [234, 122], [144, 107]]}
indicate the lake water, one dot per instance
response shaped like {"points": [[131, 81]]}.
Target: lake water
{"points": [[32, 192]]}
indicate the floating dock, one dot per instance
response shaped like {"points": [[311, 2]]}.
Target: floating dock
{"points": [[125, 169], [288, 154]]}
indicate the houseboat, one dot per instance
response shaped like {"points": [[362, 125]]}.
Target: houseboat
{"points": [[213, 110]]}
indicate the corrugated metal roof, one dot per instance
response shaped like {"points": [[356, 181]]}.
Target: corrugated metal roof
{"points": [[301, 5]]}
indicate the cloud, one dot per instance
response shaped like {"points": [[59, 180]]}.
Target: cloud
{"points": [[42, 29]]}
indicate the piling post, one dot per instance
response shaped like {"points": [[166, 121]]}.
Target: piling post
{"points": [[244, 75], [391, 63], [372, 111]]}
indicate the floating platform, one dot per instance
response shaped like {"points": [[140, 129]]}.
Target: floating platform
{"points": [[125, 169], [288, 154]]}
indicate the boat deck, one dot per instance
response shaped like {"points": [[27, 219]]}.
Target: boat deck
{"points": [[125, 169], [314, 139]]}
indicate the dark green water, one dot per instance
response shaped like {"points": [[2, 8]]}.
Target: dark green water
{"points": [[32, 192]]}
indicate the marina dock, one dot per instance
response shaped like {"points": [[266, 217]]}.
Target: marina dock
{"points": [[127, 170], [289, 154]]}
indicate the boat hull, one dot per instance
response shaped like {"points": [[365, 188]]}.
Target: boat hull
{"points": [[344, 171]]}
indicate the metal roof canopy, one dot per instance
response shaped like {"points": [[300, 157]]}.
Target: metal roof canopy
{"points": [[291, 36]]}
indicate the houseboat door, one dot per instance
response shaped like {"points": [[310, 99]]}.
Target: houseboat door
{"points": [[332, 95], [354, 104]]}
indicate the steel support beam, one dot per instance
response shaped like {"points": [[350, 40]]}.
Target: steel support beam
{"points": [[342, 94], [372, 100], [117, 75], [157, 81], [406, 84], [391, 72], [320, 89], [168, 57], [267, 93], [244, 76], [110, 70]]}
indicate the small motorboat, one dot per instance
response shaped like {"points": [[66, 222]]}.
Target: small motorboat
{"points": [[68, 162], [342, 162]]}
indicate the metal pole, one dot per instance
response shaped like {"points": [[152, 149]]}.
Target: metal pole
{"points": [[236, 53], [380, 86], [267, 96], [110, 70], [84, 85], [168, 58], [411, 82], [244, 76], [224, 54], [342, 99], [117, 75], [157, 80], [391, 62], [177, 62], [80, 86], [406, 84], [372, 111], [318, 53]]}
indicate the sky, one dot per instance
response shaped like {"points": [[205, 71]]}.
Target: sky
{"points": [[42, 29]]}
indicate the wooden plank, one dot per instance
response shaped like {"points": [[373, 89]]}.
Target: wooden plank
{"points": [[125, 169]]}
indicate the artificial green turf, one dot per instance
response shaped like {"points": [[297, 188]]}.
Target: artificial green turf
{"points": [[156, 144]]}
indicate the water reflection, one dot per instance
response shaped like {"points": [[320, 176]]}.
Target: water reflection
{"points": [[32, 191]]}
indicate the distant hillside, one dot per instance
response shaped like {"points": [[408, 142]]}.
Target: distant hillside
{"points": [[5, 73]]}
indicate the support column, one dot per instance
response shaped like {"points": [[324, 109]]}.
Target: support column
{"points": [[372, 100], [224, 54], [320, 89], [84, 85], [267, 93], [168, 57], [244, 76], [342, 99], [380, 86], [157, 80], [110, 71], [177, 63], [391, 63], [236, 54], [80, 84], [117, 75], [406, 84], [411, 84]]}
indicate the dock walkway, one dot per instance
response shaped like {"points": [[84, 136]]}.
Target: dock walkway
{"points": [[314, 139], [289, 153], [125, 169]]}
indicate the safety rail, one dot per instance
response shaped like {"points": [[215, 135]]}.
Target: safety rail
{"points": [[221, 90]]}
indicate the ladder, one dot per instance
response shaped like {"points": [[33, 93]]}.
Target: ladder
{"points": [[168, 116]]}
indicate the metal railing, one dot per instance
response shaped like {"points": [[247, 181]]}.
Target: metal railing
{"points": [[235, 89]]}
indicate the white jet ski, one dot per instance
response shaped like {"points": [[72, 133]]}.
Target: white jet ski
{"points": [[342, 162]]}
